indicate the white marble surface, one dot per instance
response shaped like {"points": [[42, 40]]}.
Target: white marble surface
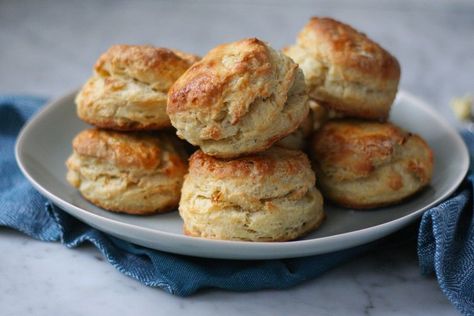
{"points": [[41, 278], [48, 47]]}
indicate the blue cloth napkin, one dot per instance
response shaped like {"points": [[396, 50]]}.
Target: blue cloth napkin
{"points": [[445, 240]]}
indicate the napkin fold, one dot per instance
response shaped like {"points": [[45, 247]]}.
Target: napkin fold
{"points": [[445, 239], [446, 243]]}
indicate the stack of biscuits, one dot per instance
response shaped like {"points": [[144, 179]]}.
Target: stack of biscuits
{"points": [[362, 161], [250, 110], [130, 162], [235, 104]]}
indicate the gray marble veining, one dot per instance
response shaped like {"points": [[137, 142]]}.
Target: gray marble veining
{"points": [[48, 47]]}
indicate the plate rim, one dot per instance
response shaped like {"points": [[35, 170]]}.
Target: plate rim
{"points": [[392, 225]]}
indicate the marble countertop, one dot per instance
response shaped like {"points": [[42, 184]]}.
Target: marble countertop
{"points": [[48, 48]]}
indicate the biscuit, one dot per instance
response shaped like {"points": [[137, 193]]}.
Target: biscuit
{"points": [[190, 58], [321, 114], [240, 98], [269, 196], [362, 164], [345, 70], [128, 90], [127, 172], [297, 139]]}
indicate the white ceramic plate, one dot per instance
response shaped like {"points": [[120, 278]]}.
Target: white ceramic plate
{"points": [[45, 143]]}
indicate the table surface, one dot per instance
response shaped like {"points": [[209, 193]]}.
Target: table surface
{"points": [[49, 47]]}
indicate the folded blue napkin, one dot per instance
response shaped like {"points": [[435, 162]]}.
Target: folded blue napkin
{"points": [[445, 240]]}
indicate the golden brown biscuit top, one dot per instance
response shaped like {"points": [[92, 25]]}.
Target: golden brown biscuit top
{"points": [[230, 77], [127, 150], [355, 148], [338, 43], [190, 58], [158, 67], [273, 162]]}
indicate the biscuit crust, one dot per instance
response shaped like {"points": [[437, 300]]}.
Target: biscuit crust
{"points": [[367, 164], [129, 173], [345, 70], [128, 90], [298, 139], [269, 196], [240, 98]]}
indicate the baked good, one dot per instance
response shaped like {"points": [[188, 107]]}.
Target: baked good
{"points": [[128, 90], [321, 114], [297, 139], [134, 173], [366, 164], [345, 70], [240, 98], [190, 58], [269, 196]]}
